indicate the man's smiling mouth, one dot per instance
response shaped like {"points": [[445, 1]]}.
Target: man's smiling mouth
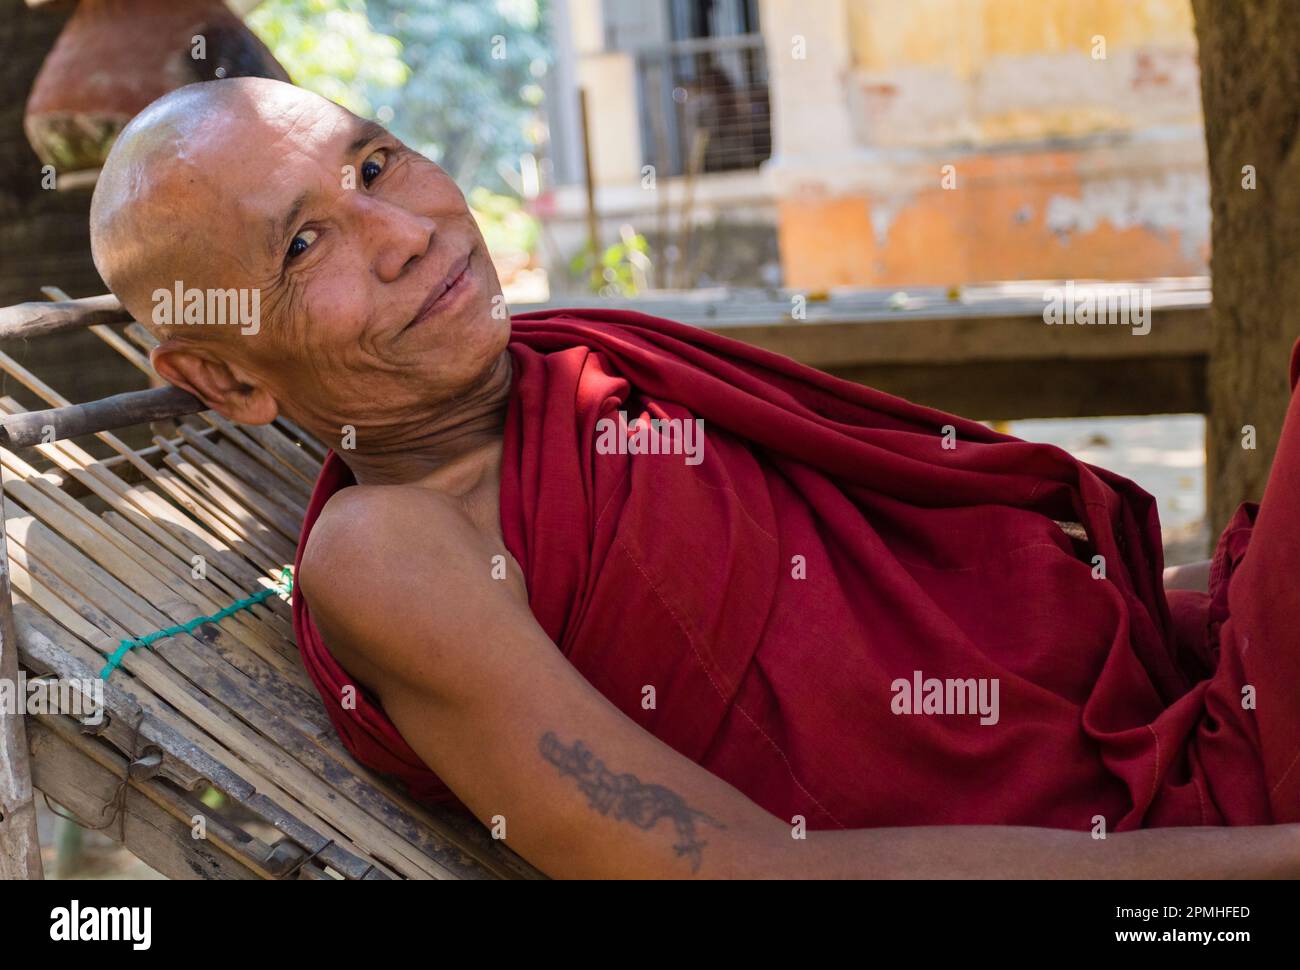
{"points": [[452, 284]]}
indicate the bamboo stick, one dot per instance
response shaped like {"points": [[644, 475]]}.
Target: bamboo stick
{"points": [[118, 411], [38, 319]]}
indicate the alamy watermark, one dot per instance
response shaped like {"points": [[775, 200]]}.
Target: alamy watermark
{"points": [[651, 436], [75, 923], [1099, 304], [930, 695], [215, 307], [79, 697]]}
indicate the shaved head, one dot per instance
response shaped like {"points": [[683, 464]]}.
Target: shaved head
{"points": [[376, 302], [137, 239]]}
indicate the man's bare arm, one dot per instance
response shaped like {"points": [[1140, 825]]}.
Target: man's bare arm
{"points": [[400, 584], [489, 703], [1193, 576]]}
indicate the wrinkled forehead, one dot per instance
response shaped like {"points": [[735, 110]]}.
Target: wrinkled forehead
{"points": [[246, 155], [244, 168], [286, 131]]}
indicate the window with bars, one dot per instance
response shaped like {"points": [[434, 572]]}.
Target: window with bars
{"points": [[702, 83]]}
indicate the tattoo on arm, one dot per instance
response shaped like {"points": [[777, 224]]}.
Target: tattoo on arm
{"points": [[626, 797]]}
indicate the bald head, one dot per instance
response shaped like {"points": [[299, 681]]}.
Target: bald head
{"points": [[152, 209], [374, 294]]}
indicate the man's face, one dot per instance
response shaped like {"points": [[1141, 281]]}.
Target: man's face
{"points": [[376, 291]]}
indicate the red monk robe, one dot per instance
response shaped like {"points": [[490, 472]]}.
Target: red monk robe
{"points": [[828, 546]]}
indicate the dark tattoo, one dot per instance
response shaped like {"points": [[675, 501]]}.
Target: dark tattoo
{"points": [[627, 797]]}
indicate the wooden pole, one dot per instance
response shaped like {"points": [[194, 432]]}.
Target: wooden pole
{"points": [[42, 319], [593, 229], [659, 123], [20, 847], [699, 141], [119, 411]]}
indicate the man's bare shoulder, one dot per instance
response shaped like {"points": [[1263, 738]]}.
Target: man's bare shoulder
{"points": [[395, 573], [367, 529]]}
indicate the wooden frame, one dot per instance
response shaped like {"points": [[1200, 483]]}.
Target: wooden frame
{"points": [[20, 849]]}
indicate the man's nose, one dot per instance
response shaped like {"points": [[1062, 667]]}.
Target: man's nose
{"points": [[398, 237]]}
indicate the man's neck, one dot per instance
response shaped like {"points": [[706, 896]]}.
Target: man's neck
{"points": [[455, 451]]}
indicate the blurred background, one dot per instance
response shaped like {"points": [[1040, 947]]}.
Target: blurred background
{"points": [[883, 189], [745, 143]]}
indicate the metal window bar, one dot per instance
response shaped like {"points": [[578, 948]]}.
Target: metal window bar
{"points": [[718, 85]]}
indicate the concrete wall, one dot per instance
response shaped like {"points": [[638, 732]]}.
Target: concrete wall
{"points": [[1069, 131]]}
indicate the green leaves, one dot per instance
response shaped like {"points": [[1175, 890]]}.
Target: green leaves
{"points": [[330, 47]]}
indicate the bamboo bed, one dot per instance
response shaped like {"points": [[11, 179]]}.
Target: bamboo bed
{"points": [[102, 549]]}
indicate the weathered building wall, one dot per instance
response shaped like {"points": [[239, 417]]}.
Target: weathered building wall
{"points": [[1072, 128]]}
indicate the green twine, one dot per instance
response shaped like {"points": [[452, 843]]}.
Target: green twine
{"points": [[286, 578]]}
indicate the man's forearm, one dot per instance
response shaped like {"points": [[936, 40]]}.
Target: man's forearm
{"points": [[997, 852]]}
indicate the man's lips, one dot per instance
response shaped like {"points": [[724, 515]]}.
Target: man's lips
{"points": [[438, 295]]}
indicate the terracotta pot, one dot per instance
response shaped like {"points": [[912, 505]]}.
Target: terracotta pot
{"points": [[115, 56]]}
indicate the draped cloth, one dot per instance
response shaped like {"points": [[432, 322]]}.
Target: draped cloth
{"points": [[779, 611]]}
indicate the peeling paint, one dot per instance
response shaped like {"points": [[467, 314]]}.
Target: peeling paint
{"points": [[1172, 203]]}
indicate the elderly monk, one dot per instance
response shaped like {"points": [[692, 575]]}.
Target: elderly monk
{"points": [[831, 634]]}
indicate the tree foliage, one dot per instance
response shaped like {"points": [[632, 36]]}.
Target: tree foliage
{"points": [[329, 46], [472, 100], [458, 80]]}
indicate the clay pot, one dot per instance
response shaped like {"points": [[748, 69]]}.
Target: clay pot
{"points": [[115, 56]]}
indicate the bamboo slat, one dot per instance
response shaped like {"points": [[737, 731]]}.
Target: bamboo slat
{"points": [[118, 411], [39, 319]]}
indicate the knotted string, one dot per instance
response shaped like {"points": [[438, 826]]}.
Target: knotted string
{"points": [[286, 587]]}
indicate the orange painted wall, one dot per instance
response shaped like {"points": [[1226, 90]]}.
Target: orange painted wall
{"points": [[1037, 119], [992, 226]]}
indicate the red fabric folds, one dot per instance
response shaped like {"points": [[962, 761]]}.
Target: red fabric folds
{"points": [[835, 540]]}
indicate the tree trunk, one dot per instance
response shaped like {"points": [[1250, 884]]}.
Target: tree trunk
{"points": [[1250, 90]]}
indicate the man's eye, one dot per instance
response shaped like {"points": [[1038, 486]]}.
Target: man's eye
{"points": [[300, 242], [373, 165]]}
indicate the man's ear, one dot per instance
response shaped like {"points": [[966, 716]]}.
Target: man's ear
{"points": [[226, 390]]}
